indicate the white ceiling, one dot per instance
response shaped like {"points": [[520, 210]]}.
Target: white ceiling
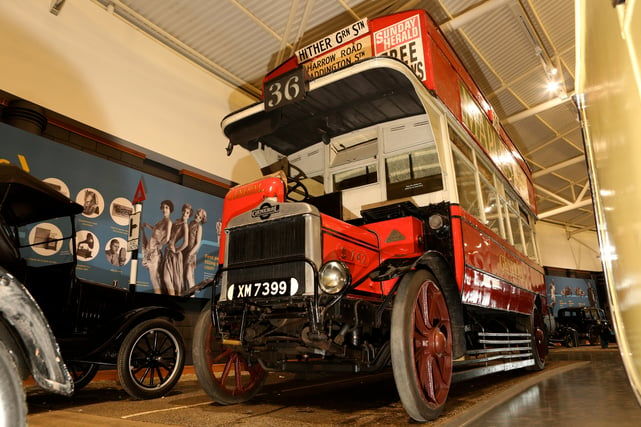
{"points": [[510, 47]]}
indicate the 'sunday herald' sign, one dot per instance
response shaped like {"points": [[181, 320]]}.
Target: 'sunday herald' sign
{"points": [[403, 40]]}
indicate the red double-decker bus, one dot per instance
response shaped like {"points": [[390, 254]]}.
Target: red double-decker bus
{"points": [[395, 225]]}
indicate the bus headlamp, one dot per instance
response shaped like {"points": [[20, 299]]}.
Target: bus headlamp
{"points": [[333, 276]]}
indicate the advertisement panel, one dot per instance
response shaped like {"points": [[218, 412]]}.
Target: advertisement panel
{"points": [[178, 226], [403, 40]]}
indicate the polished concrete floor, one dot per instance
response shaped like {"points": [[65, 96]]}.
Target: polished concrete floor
{"points": [[585, 386], [595, 392]]}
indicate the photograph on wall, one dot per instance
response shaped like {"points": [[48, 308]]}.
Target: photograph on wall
{"points": [[179, 239]]}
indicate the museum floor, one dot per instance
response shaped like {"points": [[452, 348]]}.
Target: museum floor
{"points": [[593, 392], [585, 386]]}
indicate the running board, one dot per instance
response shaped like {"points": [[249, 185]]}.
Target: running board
{"points": [[502, 351], [484, 370]]}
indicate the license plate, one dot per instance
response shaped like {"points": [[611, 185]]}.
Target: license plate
{"points": [[263, 289]]}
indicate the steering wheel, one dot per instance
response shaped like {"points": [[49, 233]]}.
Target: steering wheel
{"points": [[295, 185]]}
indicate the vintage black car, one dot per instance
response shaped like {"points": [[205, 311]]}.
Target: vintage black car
{"points": [[588, 322], [94, 323]]}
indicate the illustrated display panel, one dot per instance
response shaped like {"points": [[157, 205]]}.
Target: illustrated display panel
{"points": [[179, 226], [570, 292]]}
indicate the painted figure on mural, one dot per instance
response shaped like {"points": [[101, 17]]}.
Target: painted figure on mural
{"points": [[193, 244], [591, 295], [152, 247], [173, 264]]}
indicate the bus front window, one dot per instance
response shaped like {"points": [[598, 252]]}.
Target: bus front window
{"points": [[413, 173]]}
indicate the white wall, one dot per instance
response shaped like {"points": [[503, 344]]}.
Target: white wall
{"points": [[579, 251], [94, 68]]}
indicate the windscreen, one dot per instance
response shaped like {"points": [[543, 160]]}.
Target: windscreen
{"points": [[50, 242]]}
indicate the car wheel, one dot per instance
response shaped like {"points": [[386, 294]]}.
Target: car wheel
{"points": [[82, 373], [151, 359]]}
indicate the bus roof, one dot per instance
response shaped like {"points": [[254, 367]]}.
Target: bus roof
{"points": [[363, 94]]}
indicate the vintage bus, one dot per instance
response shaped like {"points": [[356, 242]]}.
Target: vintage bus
{"points": [[394, 225]]}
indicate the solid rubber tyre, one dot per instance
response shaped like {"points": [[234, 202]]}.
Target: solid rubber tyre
{"points": [[13, 406], [225, 374], [536, 328], [421, 350], [151, 359]]}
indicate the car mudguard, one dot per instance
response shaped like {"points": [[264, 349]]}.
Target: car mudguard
{"points": [[41, 351]]}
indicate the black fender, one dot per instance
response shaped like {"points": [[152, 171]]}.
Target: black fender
{"points": [[436, 263]]}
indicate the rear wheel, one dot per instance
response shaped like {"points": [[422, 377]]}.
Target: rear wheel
{"points": [[151, 359], [539, 344], [422, 346], [82, 373], [227, 376]]}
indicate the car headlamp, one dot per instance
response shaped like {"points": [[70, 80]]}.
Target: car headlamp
{"points": [[333, 276]]}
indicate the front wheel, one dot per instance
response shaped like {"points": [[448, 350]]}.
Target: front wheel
{"points": [[13, 408], [422, 346], [228, 376], [151, 359]]}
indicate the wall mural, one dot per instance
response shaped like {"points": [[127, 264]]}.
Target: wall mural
{"points": [[179, 240], [565, 292]]}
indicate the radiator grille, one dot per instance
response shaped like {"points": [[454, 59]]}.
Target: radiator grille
{"points": [[255, 251]]}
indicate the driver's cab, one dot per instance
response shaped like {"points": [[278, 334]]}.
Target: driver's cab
{"points": [[388, 162]]}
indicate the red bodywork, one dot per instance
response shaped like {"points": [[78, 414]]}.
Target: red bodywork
{"points": [[363, 248]]}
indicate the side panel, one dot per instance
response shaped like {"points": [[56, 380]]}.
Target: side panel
{"points": [[496, 276]]}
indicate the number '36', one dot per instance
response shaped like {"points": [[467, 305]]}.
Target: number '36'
{"points": [[279, 92]]}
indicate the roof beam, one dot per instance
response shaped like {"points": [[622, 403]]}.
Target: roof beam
{"points": [[552, 195], [563, 209], [537, 109], [556, 167], [471, 15]]}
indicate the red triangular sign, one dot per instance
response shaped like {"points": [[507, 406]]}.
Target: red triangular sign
{"points": [[140, 193]]}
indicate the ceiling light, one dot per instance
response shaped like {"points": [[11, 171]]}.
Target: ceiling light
{"points": [[553, 86]]}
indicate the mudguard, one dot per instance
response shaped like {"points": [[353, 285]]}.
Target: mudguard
{"points": [[41, 351]]}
